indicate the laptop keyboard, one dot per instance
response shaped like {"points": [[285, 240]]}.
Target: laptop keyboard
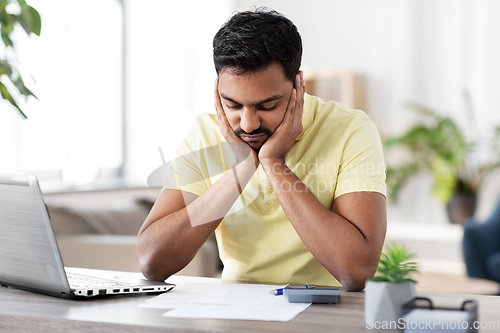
{"points": [[82, 281]]}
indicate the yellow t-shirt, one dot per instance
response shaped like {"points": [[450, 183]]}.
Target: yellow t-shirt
{"points": [[339, 151]]}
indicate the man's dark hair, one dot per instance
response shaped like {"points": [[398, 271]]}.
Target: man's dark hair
{"points": [[252, 40]]}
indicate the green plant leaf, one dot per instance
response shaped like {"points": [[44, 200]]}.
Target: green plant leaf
{"points": [[397, 177], [7, 22], [30, 19], [438, 146], [6, 39], [7, 96], [22, 87], [395, 265], [445, 179], [5, 68]]}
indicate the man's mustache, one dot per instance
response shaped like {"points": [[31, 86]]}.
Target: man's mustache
{"points": [[239, 132]]}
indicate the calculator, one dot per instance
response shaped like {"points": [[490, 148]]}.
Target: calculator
{"points": [[316, 295]]}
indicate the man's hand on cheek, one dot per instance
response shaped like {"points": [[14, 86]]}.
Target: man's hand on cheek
{"points": [[281, 141], [241, 149]]}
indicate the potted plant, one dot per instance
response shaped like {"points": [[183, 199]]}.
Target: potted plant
{"points": [[439, 146], [12, 13], [391, 285]]}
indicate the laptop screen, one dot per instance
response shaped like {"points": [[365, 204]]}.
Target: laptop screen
{"points": [[29, 256]]}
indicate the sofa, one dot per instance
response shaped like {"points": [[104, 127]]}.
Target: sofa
{"points": [[98, 229], [481, 247]]}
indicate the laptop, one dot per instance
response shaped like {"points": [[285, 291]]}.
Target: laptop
{"points": [[30, 257]]}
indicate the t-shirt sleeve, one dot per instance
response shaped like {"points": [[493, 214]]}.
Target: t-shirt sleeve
{"points": [[186, 170], [185, 173], [362, 167], [202, 158]]}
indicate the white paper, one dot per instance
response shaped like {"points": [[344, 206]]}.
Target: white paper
{"points": [[226, 301], [277, 309]]}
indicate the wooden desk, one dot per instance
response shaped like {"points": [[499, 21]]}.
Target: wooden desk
{"points": [[22, 311]]}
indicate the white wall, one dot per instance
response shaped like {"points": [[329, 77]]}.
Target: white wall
{"points": [[170, 75]]}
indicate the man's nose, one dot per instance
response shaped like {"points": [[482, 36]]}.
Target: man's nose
{"points": [[249, 121]]}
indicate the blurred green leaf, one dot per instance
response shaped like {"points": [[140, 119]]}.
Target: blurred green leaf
{"points": [[398, 176], [7, 96], [445, 178], [395, 265], [29, 19], [439, 146], [7, 22], [5, 68], [6, 39], [22, 87]]}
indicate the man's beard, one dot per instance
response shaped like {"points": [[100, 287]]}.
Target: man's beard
{"points": [[261, 130]]}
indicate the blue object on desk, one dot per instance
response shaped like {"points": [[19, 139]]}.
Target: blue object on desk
{"points": [[279, 291]]}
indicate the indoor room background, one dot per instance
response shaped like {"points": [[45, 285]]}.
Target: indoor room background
{"points": [[119, 83]]}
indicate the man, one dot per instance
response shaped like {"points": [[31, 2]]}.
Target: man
{"points": [[293, 187]]}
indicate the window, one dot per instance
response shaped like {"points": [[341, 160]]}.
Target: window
{"points": [[74, 133]]}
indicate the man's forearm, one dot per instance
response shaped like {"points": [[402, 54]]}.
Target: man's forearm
{"points": [[334, 241], [216, 201], [180, 234]]}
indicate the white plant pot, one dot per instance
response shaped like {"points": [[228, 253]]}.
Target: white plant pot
{"points": [[384, 300]]}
